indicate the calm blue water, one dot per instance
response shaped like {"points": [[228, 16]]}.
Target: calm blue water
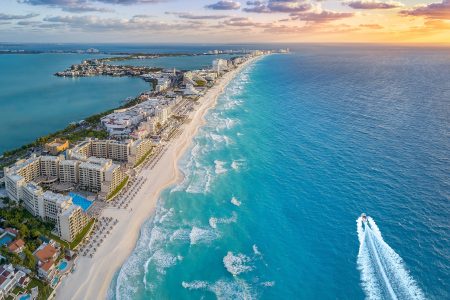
{"points": [[297, 147], [33, 102]]}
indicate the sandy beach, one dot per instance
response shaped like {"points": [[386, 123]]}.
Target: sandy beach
{"points": [[93, 276]]}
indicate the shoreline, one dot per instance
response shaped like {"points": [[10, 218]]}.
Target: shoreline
{"points": [[93, 276]]}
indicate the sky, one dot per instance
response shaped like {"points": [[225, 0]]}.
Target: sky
{"points": [[225, 21]]}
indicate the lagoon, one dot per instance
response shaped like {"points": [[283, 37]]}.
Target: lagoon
{"points": [[34, 102]]}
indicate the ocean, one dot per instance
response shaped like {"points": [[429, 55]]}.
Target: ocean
{"points": [[298, 146]]}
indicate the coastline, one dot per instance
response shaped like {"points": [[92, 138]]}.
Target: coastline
{"points": [[92, 277]]}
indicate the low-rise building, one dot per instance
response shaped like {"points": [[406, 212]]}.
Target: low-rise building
{"points": [[10, 278], [16, 246], [46, 256], [56, 146]]}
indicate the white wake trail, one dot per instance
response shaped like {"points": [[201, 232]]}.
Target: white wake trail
{"points": [[383, 273]]}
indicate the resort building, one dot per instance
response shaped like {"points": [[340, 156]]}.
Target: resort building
{"points": [[16, 176], [39, 169], [56, 208], [100, 175], [122, 122], [69, 171], [56, 146], [50, 166], [32, 198], [220, 65], [139, 149], [10, 278], [127, 151], [69, 219], [71, 222]]}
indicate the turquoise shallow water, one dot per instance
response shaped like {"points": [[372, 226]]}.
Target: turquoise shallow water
{"points": [[33, 102], [297, 147]]}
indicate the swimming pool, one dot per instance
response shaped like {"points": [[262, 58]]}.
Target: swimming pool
{"points": [[55, 281], [25, 297], [6, 238], [63, 266], [80, 201]]}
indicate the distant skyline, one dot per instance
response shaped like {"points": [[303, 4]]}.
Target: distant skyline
{"points": [[225, 21]]}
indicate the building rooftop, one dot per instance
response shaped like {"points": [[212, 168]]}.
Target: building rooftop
{"points": [[17, 244], [45, 253]]}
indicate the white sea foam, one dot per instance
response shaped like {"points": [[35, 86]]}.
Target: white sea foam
{"points": [[180, 235], [231, 290], [220, 167], [383, 272], [214, 221], [201, 235], [238, 164], [235, 201], [256, 250], [194, 285], [163, 260], [268, 283], [237, 264], [200, 181]]}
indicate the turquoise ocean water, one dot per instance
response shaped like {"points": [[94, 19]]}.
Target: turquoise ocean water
{"points": [[297, 148]]}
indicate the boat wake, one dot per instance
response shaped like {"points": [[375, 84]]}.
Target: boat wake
{"points": [[383, 273]]}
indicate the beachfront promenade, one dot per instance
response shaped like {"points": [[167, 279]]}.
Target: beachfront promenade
{"points": [[93, 274]]}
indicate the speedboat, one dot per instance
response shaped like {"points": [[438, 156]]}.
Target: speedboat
{"points": [[363, 217]]}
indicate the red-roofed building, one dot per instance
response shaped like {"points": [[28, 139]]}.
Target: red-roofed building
{"points": [[46, 256], [16, 246]]}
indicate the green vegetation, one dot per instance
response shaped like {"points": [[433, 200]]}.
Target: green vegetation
{"points": [[31, 229], [84, 133], [200, 83], [143, 158], [44, 289], [72, 245], [118, 188]]}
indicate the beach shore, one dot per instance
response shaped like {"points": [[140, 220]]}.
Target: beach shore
{"points": [[93, 276]]}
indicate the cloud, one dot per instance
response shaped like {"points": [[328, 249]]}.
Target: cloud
{"points": [[278, 6], [241, 22], [373, 4], [322, 16], [136, 23], [224, 5], [431, 11], [371, 26], [81, 6], [85, 8], [5, 17], [191, 16]]}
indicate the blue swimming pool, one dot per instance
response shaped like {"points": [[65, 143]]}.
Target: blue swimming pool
{"points": [[25, 297], [81, 201], [6, 238], [63, 266]]}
